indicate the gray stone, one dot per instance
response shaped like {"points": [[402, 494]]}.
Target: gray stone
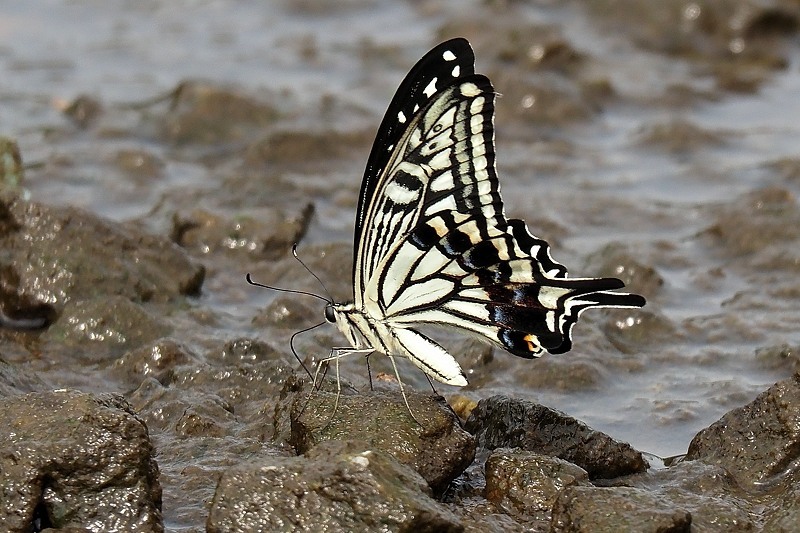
{"points": [[615, 509], [526, 483], [500, 421], [436, 446], [74, 460], [759, 442], [337, 486]]}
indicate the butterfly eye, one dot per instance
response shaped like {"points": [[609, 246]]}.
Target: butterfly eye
{"points": [[330, 316]]}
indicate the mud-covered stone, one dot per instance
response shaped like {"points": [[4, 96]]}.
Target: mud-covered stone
{"points": [[527, 483], [54, 255], [248, 387], [17, 380], [435, 446], [500, 421], [207, 114], [708, 492], [615, 509], [12, 171], [258, 232], [157, 359], [759, 442], [70, 459], [106, 326], [337, 486]]}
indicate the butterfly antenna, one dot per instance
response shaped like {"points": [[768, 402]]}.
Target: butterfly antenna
{"points": [[291, 345], [324, 288], [249, 279]]}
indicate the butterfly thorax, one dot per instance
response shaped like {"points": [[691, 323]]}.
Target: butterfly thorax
{"points": [[354, 325]]}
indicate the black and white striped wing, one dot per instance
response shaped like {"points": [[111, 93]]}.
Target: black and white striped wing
{"points": [[433, 244]]}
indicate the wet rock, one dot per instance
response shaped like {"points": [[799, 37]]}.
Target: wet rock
{"points": [[741, 43], [246, 350], [140, 164], [758, 443], [784, 512], [613, 509], [262, 232], [337, 486], [615, 261], [679, 137], [54, 255], [554, 102], [250, 388], [84, 110], [12, 173], [193, 412], [15, 380], [105, 326], [565, 374], [158, 360], [500, 421], [779, 356], [286, 312], [202, 113], [436, 447], [527, 484], [706, 491], [71, 459], [759, 220], [292, 148], [630, 331]]}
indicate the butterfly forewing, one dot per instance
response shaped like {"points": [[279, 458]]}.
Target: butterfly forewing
{"points": [[437, 69]]}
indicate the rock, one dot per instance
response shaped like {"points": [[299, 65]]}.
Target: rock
{"points": [[157, 359], [250, 388], [337, 486], [436, 447], [15, 380], [527, 483], [614, 509], [84, 110], [759, 221], [706, 491], [500, 421], [70, 459], [105, 327], [758, 443], [261, 232], [54, 255], [784, 513], [12, 171], [205, 114]]}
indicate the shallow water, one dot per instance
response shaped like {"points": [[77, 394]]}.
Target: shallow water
{"points": [[629, 144]]}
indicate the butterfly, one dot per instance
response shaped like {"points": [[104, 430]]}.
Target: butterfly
{"points": [[433, 245]]}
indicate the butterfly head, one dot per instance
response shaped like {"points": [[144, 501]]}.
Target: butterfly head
{"points": [[330, 313]]}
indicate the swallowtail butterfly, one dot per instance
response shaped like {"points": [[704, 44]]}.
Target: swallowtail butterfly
{"points": [[432, 244]]}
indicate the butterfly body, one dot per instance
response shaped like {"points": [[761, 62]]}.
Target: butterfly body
{"points": [[432, 244]]}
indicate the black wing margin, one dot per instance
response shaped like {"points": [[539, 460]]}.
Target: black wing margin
{"points": [[439, 68]]}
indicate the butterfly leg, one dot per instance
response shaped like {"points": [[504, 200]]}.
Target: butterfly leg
{"points": [[402, 391], [369, 372], [430, 381], [335, 355]]}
